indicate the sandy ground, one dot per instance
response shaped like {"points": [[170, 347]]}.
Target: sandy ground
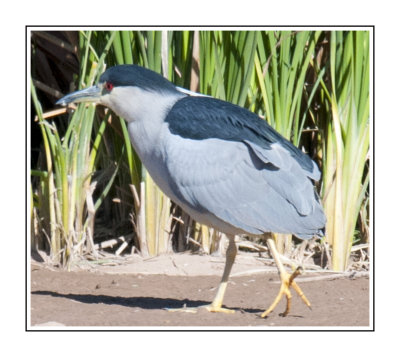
{"points": [[136, 293]]}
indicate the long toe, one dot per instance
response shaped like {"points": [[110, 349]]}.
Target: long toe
{"points": [[213, 308], [286, 282]]}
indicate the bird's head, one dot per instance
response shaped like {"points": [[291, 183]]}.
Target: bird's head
{"points": [[131, 91]]}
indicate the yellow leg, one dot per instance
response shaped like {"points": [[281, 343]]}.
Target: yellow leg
{"points": [[216, 305], [287, 281]]}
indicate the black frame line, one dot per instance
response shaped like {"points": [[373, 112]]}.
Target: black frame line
{"points": [[124, 329]]}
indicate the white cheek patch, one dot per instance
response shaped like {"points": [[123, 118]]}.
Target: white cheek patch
{"points": [[136, 104]]}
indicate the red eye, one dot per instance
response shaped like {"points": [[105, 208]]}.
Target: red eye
{"points": [[109, 86]]}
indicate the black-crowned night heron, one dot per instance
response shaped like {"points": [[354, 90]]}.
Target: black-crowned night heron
{"points": [[224, 166]]}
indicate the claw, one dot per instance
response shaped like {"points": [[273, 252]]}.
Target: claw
{"points": [[287, 282], [212, 308]]}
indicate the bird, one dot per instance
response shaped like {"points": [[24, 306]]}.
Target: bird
{"points": [[221, 163]]}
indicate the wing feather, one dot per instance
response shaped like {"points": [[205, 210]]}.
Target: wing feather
{"points": [[229, 180]]}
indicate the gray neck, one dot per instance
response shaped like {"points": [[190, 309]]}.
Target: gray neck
{"points": [[145, 112]]}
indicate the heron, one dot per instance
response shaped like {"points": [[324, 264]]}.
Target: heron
{"points": [[221, 163]]}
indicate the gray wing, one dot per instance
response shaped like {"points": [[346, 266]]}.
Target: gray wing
{"points": [[244, 185]]}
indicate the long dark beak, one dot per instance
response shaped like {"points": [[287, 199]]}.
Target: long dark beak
{"points": [[90, 94]]}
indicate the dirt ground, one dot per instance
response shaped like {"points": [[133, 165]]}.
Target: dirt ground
{"points": [[136, 294]]}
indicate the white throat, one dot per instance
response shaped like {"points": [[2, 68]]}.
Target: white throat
{"points": [[137, 104], [145, 112]]}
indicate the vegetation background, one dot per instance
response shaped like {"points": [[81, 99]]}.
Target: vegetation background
{"points": [[88, 185]]}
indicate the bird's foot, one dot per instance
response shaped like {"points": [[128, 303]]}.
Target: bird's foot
{"points": [[208, 307], [216, 308], [287, 281]]}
